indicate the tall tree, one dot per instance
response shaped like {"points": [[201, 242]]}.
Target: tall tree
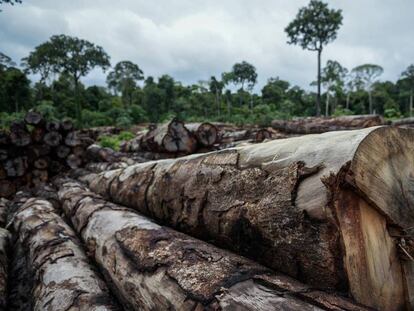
{"points": [[332, 78], [244, 75], [5, 61], [314, 27], [70, 56], [124, 79], [408, 75], [216, 88], [366, 75]]}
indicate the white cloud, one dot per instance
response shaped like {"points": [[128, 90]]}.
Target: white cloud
{"points": [[192, 40]]}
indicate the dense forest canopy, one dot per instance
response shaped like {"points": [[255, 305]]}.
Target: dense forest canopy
{"points": [[50, 80]]}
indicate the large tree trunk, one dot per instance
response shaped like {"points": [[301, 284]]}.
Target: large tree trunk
{"points": [[62, 276], [296, 205], [152, 267], [322, 125], [206, 133]]}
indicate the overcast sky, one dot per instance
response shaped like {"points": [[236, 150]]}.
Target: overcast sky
{"points": [[192, 40]]}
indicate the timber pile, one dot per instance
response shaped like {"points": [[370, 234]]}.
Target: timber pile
{"points": [[174, 139], [151, 267], [321, 125], [332, 210], [34, 150]]}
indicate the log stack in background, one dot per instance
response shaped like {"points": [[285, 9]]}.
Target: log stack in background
{"points": [[174, 138], [313, 125], [34, 150], [332, 210]]}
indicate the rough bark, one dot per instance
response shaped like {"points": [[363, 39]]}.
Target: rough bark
{"points": [[152, 267], [207, 134], [283, 204], [3, 211], [406, 122], [62, 276], [261, 134], [322, 125], [4, 245]]}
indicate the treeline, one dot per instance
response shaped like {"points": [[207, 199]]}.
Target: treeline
{"points": [[130, 96]]}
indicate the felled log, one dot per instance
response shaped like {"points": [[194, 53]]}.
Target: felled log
{"points": [[4, 245], [16, 167], [52, 139], [97, 153], [207, 134], [152, 267], [67, 125], [321, 125], [53, 126], [73, 161], [62, 276], [98, 167], [19, 136], [171, 137], [261, 134], [232, 136], [34, 118], [406, 122], [7, 188], [315, 207]]}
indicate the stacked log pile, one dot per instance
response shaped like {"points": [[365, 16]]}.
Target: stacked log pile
{"points": [[321, 125], [174, 139], [152, 267], [34, 150], [331, 210]]}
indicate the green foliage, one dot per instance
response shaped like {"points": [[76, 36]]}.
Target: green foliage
{"points": [[6, 119], [110, 142], [124, 79], [95, 118], [47, 109], [115, 141], [314, 26], [341, 111], [125, 136]]}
